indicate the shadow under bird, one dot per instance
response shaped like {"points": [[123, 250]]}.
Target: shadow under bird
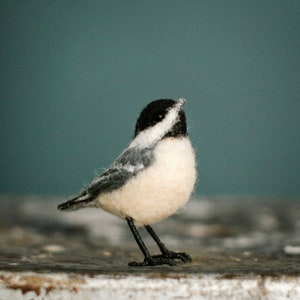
{"points": [[151, 179]]}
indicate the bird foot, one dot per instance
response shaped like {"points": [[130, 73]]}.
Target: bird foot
{"points": [[184, 257], [167, 258]]}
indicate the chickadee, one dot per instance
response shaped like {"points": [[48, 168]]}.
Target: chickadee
{"points": [[151, 179]]}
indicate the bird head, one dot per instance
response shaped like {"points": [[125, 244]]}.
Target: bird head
{"points": [[159, 119]]}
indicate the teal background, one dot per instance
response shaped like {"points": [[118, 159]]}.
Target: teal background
{"points": [[75, 75]]}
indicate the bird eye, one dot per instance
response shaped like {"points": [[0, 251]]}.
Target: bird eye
{"points": [[160, 116]]}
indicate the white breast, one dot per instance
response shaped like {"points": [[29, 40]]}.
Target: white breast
{"points": [[158, 191]]}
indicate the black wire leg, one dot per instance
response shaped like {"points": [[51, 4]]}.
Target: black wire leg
{"points": [[165, 253], [148, 260]]}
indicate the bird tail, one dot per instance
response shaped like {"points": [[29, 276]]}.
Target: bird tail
{"points": [[84, 200]]}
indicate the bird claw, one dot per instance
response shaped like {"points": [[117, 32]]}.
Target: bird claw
{"points": [[167, 258], [184, 257], [155, 260]]}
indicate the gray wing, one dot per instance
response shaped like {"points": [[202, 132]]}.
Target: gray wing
{"points": [[124, 168]]}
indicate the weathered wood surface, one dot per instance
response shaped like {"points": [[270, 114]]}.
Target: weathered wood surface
{"points": [[241, 247]]}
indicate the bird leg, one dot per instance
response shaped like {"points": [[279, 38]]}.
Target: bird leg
{"points": [[166, 258], [166, 253]]}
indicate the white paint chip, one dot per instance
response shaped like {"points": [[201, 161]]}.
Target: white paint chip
{"points": [[292, 250]]}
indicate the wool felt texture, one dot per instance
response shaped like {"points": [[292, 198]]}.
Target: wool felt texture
{"points": [[154, 176]]}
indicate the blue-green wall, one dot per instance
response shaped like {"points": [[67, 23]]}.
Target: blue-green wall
{"points": [[75, 74]]}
